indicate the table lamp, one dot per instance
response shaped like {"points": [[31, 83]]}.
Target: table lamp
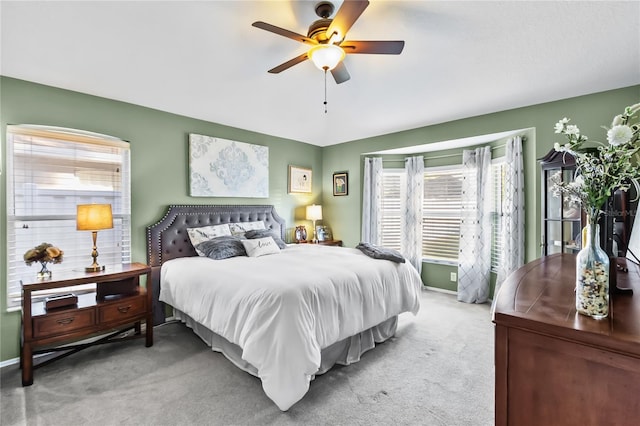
{"points": [[314, 212], [94, 217]]}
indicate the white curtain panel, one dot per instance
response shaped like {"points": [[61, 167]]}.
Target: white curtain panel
{"points": [[371, 200], [412, 218], [512, 254], [474, 261]]}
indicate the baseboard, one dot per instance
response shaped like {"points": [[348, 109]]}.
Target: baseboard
{"points": [[9, 362], [443, 290], [439, 290]]}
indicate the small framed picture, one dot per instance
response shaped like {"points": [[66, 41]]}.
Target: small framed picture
{"points": [[323, 233], [340, 183], [299, 179]]}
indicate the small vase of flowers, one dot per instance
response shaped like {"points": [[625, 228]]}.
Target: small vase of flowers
{"points": [[600, 171], [44, 253]]}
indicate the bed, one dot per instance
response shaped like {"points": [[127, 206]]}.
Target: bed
{"points": [[284, 317]]}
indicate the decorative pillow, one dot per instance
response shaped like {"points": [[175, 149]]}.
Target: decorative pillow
{"points": [[222, 247], [199, 235], [240, 228], [262, 233], [378, 252], [260, 246]]}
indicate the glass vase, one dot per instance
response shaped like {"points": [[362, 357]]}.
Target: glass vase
{"points": [[592, 276], [44, 271]]}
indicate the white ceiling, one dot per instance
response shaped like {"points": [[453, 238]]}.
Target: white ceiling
{"points": [[203, 59]]}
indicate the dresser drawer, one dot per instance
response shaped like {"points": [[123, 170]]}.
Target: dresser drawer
{"points": [[64, 322], [122, 309]]}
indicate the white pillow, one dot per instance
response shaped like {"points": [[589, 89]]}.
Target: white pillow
{"points": [[260, 246], [238, 229], [206, 233]]}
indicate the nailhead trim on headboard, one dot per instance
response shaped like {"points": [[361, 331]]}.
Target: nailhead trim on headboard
{"points": [[168, 239]]}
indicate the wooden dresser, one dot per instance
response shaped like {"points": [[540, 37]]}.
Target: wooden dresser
{"points": [[557, 367]]}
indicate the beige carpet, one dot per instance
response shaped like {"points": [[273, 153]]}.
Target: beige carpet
{"points": [[438, 370]]}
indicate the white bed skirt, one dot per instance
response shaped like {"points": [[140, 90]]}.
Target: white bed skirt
{"points": [[344, 352]]}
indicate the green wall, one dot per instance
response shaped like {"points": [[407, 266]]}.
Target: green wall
{"points": [[589, 112], [159, 163], [159, 152]]}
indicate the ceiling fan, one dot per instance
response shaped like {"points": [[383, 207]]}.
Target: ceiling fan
{"points": [[326, 37]]}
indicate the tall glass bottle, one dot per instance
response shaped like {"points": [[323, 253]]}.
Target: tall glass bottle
{"points": [[592, 275]]}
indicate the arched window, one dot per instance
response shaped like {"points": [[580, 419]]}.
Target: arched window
{"points": [[50, 171]]}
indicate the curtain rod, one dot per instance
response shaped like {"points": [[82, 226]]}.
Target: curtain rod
{"points": [[435, 157]]}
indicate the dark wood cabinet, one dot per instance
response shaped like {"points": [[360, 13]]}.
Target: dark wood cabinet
{"points": [[562, 220], [119, 304], [555, 366]]}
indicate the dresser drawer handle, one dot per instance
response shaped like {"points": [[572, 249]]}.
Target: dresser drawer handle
{"points": [[65, 321], [124, 309]]}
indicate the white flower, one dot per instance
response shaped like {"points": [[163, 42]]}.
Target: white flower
{"points": [[606, 167], [619, 135], [562, 148], [560, 125], [572, 129]]}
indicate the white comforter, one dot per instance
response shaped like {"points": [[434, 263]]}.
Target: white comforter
{"points": [[282, 309]]}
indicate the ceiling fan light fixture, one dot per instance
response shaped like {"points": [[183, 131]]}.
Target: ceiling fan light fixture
{"points": [[326, 56]]}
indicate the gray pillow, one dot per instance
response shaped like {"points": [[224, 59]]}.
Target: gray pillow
{"points": [[378, 252], [222, 247], [262, 233]]}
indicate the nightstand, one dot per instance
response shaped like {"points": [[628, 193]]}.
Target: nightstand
{"points": [[118, 305], [328, 243]]}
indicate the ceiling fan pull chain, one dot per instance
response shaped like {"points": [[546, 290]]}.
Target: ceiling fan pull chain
{"points": [[325, 90]]}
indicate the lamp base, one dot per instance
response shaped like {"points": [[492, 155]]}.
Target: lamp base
{"points": [[94, 268]]}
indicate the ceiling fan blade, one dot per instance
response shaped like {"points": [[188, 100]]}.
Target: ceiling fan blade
{"points": [[340, 73], [289, 64], [376, 47], [348, 13], [284, 33]]}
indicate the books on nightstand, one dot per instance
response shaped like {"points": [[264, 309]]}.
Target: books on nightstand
{"points": [[60, 300]]}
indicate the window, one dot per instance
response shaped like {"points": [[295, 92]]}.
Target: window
{"points": [[394, 182], [49, 172], [497, 172], [440, 211]]}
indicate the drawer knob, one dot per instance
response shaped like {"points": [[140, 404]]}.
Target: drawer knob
{"points": [[65, 321], [124, 309]]}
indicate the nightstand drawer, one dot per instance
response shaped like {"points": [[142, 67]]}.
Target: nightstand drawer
{"points": [[63, 322], [121, 310]]}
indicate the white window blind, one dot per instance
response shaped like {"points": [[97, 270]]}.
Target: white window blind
{"points": [[393, 198], [497, 171], [50, 171], [441, 213]]}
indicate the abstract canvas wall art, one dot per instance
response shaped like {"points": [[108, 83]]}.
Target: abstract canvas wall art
{"points": [[224, 168]]}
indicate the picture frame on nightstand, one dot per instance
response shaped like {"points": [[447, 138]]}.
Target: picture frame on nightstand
{"points": [[323, 233]]}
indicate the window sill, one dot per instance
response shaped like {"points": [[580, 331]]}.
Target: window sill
{"points": [[440, 262]]}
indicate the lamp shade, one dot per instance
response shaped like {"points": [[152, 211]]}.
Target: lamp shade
{"points": [[94, 217], [314, 212], [326, 56]]}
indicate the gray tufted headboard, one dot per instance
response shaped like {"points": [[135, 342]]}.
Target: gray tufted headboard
{"points": [[168, 239]]}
